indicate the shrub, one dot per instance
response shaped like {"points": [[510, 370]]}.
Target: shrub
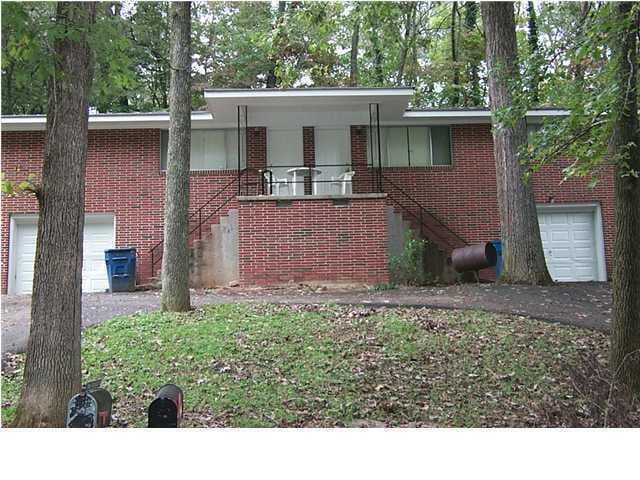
{"points": [[408, 267]]}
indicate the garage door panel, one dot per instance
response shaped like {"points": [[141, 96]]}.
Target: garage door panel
{"points": [[558, 236], [558, 219], [583, 254], [568, 240], [582, 219], [582, 235], [98, 236]]}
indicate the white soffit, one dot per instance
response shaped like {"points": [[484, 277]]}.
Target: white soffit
{"points": [[307, 104]]}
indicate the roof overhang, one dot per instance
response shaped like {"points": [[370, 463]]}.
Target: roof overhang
{"points": [[462, 116], [310, 106], [287, 118], [107, 121]]}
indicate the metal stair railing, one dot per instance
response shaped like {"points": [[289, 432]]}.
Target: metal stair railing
{"points": [[201, 216], [422, 215]]}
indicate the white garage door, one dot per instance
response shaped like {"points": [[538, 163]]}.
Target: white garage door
{"points": [[571, 242], [98, 236]]}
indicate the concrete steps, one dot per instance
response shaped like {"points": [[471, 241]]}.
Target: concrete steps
{"points": [[214, 259]]}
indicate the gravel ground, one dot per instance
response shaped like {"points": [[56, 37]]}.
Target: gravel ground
{"points": [[586, 305]]}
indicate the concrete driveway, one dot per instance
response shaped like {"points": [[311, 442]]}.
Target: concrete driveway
{"points": [[586, 305]]}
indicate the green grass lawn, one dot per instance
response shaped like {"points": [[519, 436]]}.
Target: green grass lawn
{"points": [[267, 365]]}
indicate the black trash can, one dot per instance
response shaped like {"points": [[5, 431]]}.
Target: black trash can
{"points": [[121, 269]]}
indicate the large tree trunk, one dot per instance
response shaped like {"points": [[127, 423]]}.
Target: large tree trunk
{"points": [[522, 248], [175, 259], [625, 329], [52, 371]]}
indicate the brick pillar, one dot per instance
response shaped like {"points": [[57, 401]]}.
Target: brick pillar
{"points": [[359, 146], [308, 155], [256, 158]]}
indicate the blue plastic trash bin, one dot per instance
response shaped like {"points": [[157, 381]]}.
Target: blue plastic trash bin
{"points": [[497, 244], [121, 269]]}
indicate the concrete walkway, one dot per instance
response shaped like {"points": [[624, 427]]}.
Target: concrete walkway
{"points": [[586, 305]]}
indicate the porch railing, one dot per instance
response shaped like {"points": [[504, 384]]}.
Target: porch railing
{"points": [[295, 178]]}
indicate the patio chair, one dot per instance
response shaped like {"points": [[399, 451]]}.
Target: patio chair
{"points": [[343, 182], [276, 184]]}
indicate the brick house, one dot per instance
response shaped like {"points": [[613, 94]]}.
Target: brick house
{"points": [[313, 185]]}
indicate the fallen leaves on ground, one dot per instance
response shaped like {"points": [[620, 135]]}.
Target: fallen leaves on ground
{"points": [[327, 365]]}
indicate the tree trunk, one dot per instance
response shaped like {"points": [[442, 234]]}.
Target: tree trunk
{"points": [[532, 24], [522, 248], [475, 95], [355, 42], [455, 94], [52, 372], [272, 78], [577, 68], [175, 258], [625, 329], [409, 29], [374, 21]]}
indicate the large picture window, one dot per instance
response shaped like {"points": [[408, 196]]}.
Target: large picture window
{"points": [[414, 146], [210, 149]]}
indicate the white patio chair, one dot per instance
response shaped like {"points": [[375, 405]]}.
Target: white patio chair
{"points": [[276, 184], [343, 182]]}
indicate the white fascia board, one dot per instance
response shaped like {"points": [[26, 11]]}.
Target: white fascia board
{"points": [[307, 93], [116, 121], [474, 116]]}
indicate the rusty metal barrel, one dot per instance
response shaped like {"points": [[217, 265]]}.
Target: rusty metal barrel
{"points": [[474, 257]]}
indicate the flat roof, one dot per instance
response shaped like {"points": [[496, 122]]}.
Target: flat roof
{"points": [[201, 119], [223, 103]]}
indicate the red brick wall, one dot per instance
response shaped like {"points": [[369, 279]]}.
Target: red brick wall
{"points": [[464, 195], [313, 240], [123, 178]]}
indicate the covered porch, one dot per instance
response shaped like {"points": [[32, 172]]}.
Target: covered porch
{"points": [[308, 137]]}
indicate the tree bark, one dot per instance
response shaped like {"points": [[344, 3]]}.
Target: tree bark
{"points": [[175, 258], [52, 372], [625, 329], [355, 43], [522, 248]]}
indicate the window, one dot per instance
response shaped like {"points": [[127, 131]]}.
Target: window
{"points": [[210, 150], [414, 146]]}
